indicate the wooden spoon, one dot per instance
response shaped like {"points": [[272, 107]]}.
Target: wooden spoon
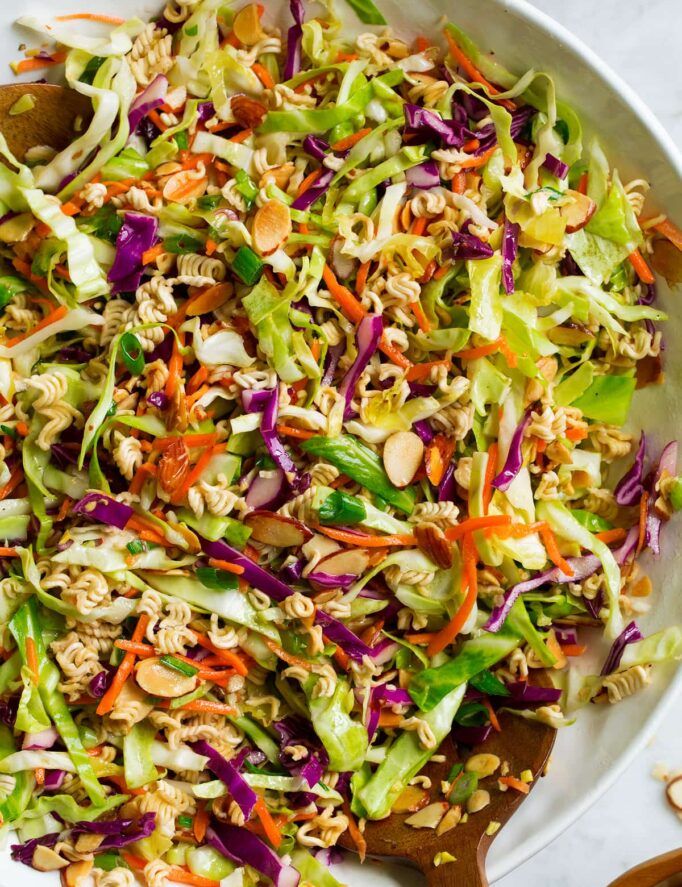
{"points": [[51, 121], [525, 745], [654, 872]]}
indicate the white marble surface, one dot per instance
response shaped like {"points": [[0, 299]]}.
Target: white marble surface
{"points": [[632, 821]]}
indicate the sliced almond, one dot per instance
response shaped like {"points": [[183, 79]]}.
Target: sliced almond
{"points": [[673, 793], [158, 679], [477, 801], [482, 765], [431, 539], [246, 25], [578, 212], [450, 820], [341, 563], [246, 111], [76, 874], [271, 227], [88, 843], [403, 454], [410, 800], [46, 860], [573, 335], [429, 817], [275, 529]]}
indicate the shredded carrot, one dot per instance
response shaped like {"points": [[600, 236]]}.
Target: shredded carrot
{"points": [[227, 657], [468, 66], [308, 182], [8, 552], [421, 638], [15, 478], [422, 319], [422, 43], [490, 472], [582, 183], [194, 475], [346, 56], [643, 514], [642, 270], [22, 429], [290, 431], [479, 351], [472, 524], [39, 774], [459, 183], [610, 536], [121, 784], [478, 161], [32, 659], [395, 356], [208, 300], [272, 833], [143, 472], [211, 246], [124, 670], [36, 63], [263, 75], [226, 565], [671, 231], [287, 657], [553, 553], [201, 823], [471, 145], [144, 651], [91, 17], [363, 540], [240, 136], [356, 835], [174, 368], [342, 659], [517, 784], [350, 140], [470, 586], [150, 255], [361, 279], [156, 120], [576, 434], [71, 207], [147, 532], [508, 354], [494, 722], [207, 706], [197, 380], [54, 316], [573, 649], [349, 304], [422, 370]]}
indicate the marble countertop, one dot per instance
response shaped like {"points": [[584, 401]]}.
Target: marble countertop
{"points": [[632, 821]]}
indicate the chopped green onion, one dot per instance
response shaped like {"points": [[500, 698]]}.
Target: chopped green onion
{"points": [[181, 244], [192, 31], [472, 714], [464, 788], [182, 140], [342, 508], [247, 266], [486, 682], [137, 546], [178, 665], [455, 771], [220, 580], [200, 691], [108, 861], [11, 432], [209, 201], [91, 69], [113, 409], [132, 353], [185, 821], [246, 187]]}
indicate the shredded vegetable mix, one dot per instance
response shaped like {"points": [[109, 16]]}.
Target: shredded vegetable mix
{"points": [[316, 355]]}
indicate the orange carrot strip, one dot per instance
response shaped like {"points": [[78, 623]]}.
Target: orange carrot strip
{"points": [[348, 142], [471, 145], [225, 656], [573, 649], [476, 162], [363, 540], [241, 136], [16, 477], [174, 369], [422, 319], [226, 565], [35, 64], [494, 723], [642, 270], [124, 670], [143, 472], [263, 75], [361, 279], [490, 472], [184, 876], [191, 440], [553, 553], [508, 354], [356, 835], [51, 318], [22, 429], [513, 782], [197, 380], [470, 585], [349, 304], [287, 657], [476, 523], [150, 255], [576, 434], [610, 536], [193, 475], [91, 17], [8, 552], [422, 44], [156, 120], [144, 651], [422, 370], [671, 231], [395, 356], [207, 706], [582, 183], [421, 638], [290, 431], [643, 512], [200, 823], [308, 182], [39, 774], [479, 351], [32, 659], [211, 246], [471, 70], [272, 833], [459, 183], [71, 208]]}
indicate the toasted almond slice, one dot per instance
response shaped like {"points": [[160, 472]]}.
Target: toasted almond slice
{"points": [[247, 111], [275, 529], [431, 539], [577, 213], [75, 875], [271, 227], [403, 454], [158, 679], [673, 793], [482, 765], [410, 800], [450, 820], [340, 563], [46, 860], [429, 817], [246, 25]]}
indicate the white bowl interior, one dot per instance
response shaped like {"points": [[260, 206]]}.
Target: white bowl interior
{"points": [[588, 756]]}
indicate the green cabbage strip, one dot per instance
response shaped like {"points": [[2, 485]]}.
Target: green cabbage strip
{"points": [[13, 806], [138, 765], [518, 620], [431, 686], [406, 757], [26, 624], [344, 739], [408, 157]]}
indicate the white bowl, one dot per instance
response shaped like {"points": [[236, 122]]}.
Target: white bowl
{"points": [[589, 756]]}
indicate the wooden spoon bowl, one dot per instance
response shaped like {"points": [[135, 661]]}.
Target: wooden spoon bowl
{"points": [[524, 745], [51, 121]]}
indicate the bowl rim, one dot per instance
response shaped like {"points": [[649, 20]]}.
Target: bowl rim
{"points": [[532, 845]]}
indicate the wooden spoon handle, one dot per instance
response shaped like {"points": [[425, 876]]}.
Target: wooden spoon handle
{"points": [[652, 872], [467, 871]]}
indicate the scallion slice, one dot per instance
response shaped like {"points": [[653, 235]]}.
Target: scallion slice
{"points": [[247, 266], [178, 665]]}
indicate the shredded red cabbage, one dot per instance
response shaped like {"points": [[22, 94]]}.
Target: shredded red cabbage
{"points": [[158, 399], [555, 166], [315, 191], [326, 580], [239, 790], [44, 739], [149, 99], [468, 246], [316, 146], [470, 735], [447, 488], [24, 852], [267, 490], [423, 429], [630, 487], [267, 401], [245, 848], [525, 693], [137, 234], [334, 353], [103, 508], [428, 124], [425, 175], [487, 135], [294, 37], [370, 330], [99, 685], [118, 832], [293, 730], [667, 466], [629, 635], [54, 780], [514, 459], [510, 247], [205, 110]]}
